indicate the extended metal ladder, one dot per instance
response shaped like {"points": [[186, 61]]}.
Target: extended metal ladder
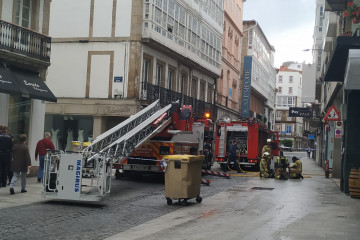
{"points": [[110, 136], [63, 178], [120, 141]]}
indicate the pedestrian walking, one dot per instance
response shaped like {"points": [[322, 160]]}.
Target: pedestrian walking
{"points": [[20, 164], [308, 152], [42, 147], [6, 145]]}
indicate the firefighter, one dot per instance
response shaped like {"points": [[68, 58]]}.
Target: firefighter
{"points": [[264, 170], [281, 164], [267, 148], [234, 152], [295, 169]]}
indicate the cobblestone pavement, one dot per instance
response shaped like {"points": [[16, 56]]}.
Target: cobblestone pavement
{"points": [[131, 202]]}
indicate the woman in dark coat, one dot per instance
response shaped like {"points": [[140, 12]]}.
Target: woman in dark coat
{"points": [[20, 164]]}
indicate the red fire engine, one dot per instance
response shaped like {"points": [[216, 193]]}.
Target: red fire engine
{"points": [[183, 135], [251, 136]]}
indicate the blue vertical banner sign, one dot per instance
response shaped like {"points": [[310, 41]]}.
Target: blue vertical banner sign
{"points": [[246, 87]]}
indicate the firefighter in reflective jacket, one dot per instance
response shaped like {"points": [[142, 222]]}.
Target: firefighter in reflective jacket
{"points": [[267, 148], [296, 169], [264, 170], [281, 164]]}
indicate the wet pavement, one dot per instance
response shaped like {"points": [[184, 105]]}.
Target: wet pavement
{"points": [[248, 207], [312, 208]]}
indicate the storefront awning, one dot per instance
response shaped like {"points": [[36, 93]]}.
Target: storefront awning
{"points": [[31, 84], [336, 68], [7, 82]]}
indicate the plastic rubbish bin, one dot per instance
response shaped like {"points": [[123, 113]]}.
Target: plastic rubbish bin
{"points": [[183, 177]]}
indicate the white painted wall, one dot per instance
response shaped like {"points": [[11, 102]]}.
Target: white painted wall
{"points": [[69, 63], [123, 18], [66, 21], [102, 18], [36, 128], [99, 76]]}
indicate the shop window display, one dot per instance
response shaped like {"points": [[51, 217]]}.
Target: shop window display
{"points": [[68, 129], [19, 115]]}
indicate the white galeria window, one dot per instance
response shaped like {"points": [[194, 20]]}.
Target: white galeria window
{"points": [[23, 13]]}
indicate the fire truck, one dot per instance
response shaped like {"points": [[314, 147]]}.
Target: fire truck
{"points": [[184, 135], [136, 145], [250, 136]]}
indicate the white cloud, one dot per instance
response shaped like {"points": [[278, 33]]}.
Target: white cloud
{"points": [[287, 24]]}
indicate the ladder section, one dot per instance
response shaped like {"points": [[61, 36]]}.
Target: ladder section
{"points": [[110, 136], [126, 144]]}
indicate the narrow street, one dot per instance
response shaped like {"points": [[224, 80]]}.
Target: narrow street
{"points": [[240, 207]]}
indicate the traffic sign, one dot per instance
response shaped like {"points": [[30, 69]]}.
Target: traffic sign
{"points": [[338, 133], [332, 115]]}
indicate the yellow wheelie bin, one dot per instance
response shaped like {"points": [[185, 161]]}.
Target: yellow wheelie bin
{"points": [[183, 177]]}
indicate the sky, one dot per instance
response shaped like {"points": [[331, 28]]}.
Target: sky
{"points": [[288, 26]]}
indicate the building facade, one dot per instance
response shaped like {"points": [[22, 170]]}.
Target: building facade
{"points": [[257, 97], [24, 59], [289, 91], [124, 54], [228, 85], [341, 90]]}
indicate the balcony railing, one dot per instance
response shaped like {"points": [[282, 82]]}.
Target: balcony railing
{"points": [[150, 93], [21, 40]]}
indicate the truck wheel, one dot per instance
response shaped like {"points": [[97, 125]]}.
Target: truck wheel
{"points": [[198, 199], [169, 201]]}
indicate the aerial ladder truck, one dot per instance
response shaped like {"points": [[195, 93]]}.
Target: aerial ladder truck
{"points": [[64, 177]]}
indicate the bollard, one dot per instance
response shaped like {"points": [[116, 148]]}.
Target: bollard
{"points": [[327, 168]]}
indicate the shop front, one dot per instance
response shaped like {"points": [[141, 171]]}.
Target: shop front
{"points": [[22, 103]]}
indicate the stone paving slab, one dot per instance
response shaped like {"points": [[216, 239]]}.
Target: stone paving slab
{"points": [[312, 208]]}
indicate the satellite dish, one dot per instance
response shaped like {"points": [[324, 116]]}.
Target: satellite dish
{"points": [[225, 118]]}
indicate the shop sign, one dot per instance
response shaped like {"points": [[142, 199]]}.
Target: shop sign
{"points": [[246, 88]]}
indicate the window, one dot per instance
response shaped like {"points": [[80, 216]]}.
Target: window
{"points": [[290, 90], [209, 93], [202, 92], [23, 13], [280, 90], [145, 70], [159, 76], [194, 83], [280, 78], [291, 79], [288, 128], [171, 79], [278, 114]]}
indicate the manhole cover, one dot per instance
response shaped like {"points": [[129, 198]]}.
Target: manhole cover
{"points": [[262, 188]]}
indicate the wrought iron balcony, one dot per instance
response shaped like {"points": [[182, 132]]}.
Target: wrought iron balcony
{"points": [[16, 39], [150, 93]]}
